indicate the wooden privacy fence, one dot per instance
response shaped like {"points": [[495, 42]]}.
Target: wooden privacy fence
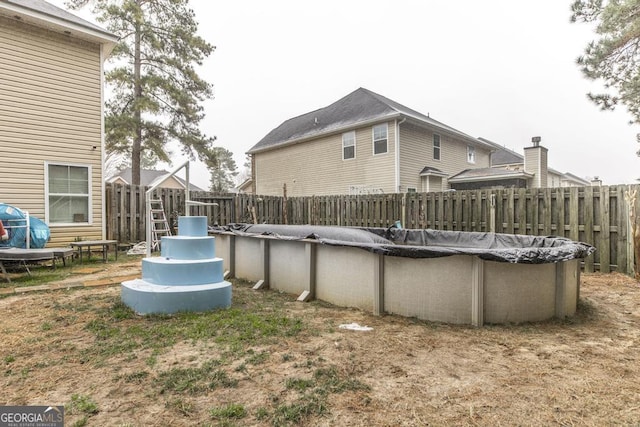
{"points": [[604, 217]]}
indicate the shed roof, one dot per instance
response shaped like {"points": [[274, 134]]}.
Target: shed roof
{"points": [[428, 170], [358, 107], [485, 174]]}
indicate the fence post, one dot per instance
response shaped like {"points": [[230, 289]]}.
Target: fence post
{"points": [[635, 253], [492, 213], [633, 238], [403, 209]]}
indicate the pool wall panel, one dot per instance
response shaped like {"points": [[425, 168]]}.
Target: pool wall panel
{"points": [[345, 276], [287, 261], [437, 289]]}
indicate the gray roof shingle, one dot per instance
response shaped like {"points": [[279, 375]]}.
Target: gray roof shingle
{"points": [[487, 173], [502, 155], [359, 106], [428, 170]]}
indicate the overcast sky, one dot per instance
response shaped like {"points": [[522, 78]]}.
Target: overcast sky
{"points": [[499, 69]]}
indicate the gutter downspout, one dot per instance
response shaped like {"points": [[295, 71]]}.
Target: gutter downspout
{"points": [[398, 152]]}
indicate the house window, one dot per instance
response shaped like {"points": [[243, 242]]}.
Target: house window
{"points": [[380, 139], [436, 146], [471, 154], [68, 193], [411, 190], [349, 145]]}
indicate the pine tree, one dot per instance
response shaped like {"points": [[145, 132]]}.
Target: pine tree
{"points": [[222, 171], [614, 57], [155, 92]]}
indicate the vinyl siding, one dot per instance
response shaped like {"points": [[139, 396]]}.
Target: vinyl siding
{"points": [[554, 180], [416, 152], [544, 167], [531, 160], [50, 110], [535, 162], [316, 167]]}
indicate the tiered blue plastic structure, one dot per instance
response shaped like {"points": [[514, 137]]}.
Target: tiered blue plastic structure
{"points": [[186, 277]]}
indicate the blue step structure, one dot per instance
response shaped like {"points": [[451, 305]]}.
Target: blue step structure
{"points": [[185, 277]]}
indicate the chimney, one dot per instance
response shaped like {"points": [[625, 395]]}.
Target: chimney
{"points": [[535, 162], [596, 182]]}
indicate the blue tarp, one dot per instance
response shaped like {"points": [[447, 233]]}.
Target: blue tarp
{"points": [[15, 220]]}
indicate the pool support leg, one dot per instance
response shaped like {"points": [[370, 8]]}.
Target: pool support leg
{"points": [[477, 293], [309, 292]]}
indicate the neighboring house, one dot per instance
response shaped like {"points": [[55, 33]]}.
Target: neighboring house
{"points": [[362, 143], [245, 186], [51, 117], [149, 177], [512, 170], [571, 180]]}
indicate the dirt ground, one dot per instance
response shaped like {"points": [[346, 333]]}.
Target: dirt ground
{"points": [[582, 371]]}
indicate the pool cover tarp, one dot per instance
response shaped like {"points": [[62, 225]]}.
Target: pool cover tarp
{"points": [[407, 243]]}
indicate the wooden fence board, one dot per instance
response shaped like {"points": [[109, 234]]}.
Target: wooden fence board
{"points": [[547, 212], [622, 229], [589, 263], [510, 211], [522, 211], [605, 236], [560, 218], [573, 213]]}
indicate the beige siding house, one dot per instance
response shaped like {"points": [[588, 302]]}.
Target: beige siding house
{"points": [[362, 143], [51, 117]]}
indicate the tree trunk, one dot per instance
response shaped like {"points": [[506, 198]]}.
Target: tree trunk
{"points": [[137, 115]]}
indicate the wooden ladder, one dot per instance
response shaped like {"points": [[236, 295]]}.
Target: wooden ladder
{"points": [[159, 224]]}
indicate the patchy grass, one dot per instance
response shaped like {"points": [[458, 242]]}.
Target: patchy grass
{"points": [[81, 405], [118, 330], [271, 361], [195, 380], [232, 411]]}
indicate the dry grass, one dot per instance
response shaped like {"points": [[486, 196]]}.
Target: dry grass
{"points": [[80, 348]]}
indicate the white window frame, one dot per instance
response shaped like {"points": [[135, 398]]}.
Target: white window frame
{"points": [[345, 138], [471, 154], [438, 147], [412, 190], [386, 138], [47, 195]]}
